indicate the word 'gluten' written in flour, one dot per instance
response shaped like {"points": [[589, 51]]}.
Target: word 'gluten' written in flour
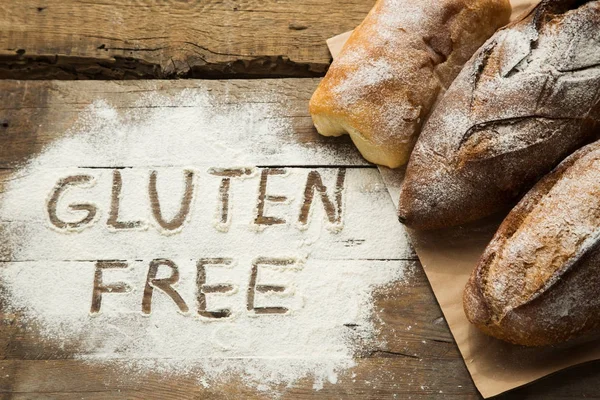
{"points": [[333, 205]]}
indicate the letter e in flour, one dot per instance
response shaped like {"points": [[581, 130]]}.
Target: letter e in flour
{"points": [[254, 287], [204, 289], [263, 197]]}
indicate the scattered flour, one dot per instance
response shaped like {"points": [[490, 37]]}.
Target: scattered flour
{"points": [[49, 275]]}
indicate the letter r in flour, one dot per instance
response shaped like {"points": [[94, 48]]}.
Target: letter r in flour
{"points": [[254, 287], [204, 289], [164, 284], [100, 287]]}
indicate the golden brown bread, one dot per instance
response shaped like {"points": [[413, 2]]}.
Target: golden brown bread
{"points": [[538, 281], [392, 68], [527, 99]]}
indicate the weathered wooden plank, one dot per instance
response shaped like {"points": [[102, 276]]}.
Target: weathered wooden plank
{"points": [[120, 39], [33, 114], [74, 378]]}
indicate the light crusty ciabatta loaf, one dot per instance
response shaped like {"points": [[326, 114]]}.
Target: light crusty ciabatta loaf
{"points": [[527, 99], [538, 281], [392, 68]]}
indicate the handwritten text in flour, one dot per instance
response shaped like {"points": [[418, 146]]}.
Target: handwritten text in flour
{"points": [[69, 216]]}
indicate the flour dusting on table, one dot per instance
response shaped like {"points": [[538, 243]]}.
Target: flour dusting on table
{"points": [[286, 269]]}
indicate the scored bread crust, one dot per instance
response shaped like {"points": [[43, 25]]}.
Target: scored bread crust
{"points": [[528, 98], [390, 71], [538, 281]]}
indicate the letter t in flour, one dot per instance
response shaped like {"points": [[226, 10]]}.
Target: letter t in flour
{"points": [[263, 197], [224, 191]]}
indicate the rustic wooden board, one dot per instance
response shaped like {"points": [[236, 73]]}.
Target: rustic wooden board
{"points": [[120, 39], [419, 358]]}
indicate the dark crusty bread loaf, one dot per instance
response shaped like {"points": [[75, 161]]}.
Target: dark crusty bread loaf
{"points": [[527, 99], [538, 281], [390, 71]]}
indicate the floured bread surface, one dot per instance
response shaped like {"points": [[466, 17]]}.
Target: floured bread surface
{"points": [[528, 98], [537, 280], [394, 65]]}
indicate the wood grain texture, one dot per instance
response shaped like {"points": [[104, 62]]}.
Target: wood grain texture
{"points": [[34, 114], [122, 39], [419, 358]]}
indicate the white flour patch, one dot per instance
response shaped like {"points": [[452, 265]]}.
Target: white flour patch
{"points": [[297, 290]]}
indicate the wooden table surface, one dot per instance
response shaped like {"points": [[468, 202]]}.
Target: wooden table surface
{"points": [[215, 39]]}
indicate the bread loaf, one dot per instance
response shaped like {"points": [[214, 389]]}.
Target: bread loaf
{"points": [[527, 99], [392, 68], [538, 281]]}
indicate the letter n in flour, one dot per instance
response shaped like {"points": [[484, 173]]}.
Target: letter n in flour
{"points": [[333, 209]]}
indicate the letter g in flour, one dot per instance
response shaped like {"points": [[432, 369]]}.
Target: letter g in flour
{"points": [[62, 185]]}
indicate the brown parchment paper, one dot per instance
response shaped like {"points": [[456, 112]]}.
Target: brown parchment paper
{"points": [[448, 257]]}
